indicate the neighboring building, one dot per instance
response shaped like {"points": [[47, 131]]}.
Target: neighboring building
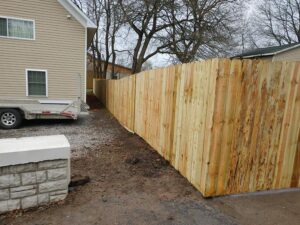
{"points": [[120, 71], [277, 53], [43, 49]]}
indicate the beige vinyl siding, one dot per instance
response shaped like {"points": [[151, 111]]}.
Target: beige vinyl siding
{"points": [[263, 58], [291, 55], [59, 48]]}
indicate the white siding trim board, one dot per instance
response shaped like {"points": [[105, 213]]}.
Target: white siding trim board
{"points": [[85, 65]]}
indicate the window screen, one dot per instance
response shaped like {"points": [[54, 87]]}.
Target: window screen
{"points": [[37, 84], [3, 27]]}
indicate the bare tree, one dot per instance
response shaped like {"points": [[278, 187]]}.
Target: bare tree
{"points": [[105, 43], [204, 32], [147, 18], [184, 29], [107, 17], [246, 35], [279, 21]]}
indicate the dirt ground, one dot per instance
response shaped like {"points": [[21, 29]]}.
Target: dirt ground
{"points": [[132, 185]]}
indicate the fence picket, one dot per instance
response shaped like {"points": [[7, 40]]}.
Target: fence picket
{"points": [[228, 126]]}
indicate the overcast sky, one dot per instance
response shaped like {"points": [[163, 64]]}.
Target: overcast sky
{"points": [[251, 6]]}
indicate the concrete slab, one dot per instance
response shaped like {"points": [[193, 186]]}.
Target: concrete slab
{"points": [[14, 151]]}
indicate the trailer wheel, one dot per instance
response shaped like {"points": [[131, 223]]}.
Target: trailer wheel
{"points": [[10, 118]]}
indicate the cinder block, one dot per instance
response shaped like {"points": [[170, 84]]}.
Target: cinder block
{"points": [[13, 204], [57, 198], [43, 199], [57, 174], [22, 194], [3, 206], [5, 181], [10, 180], [58, 192], [28, 178], [53, 186], [52, 164], [41, 176], [9, 205], [23, 191], [29, 202], [5, 170], [4, 194], [23, 188], [29, 167]]}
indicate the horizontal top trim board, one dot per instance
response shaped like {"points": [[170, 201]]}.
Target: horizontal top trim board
{"points": [[15, 151]]}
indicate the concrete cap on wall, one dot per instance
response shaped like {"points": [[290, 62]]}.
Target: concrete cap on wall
{"points": [[15, 151]]}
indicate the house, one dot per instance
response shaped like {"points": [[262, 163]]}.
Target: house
{"points": [[289, 52], [119, 71], [43, 47]]}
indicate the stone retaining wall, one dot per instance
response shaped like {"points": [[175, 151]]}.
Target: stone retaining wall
{"points": [[33, 184], [34, 171]]}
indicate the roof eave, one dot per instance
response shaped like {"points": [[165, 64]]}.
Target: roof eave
{"points": [[258, 55], [268, 54], [77, 14], [287, 49], [253, 56]]}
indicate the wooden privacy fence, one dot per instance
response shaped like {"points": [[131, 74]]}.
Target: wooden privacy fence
{"points": [[89, 79], [228, 126]]}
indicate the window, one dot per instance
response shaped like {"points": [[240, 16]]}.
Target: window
{"points": [[3, 27], [16, 28], [36, 82]]}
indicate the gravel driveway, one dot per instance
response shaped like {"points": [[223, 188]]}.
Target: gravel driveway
{"points": [[83, 134]]}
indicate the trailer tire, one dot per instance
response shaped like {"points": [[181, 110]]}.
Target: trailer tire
{"points": [[10, 118]]}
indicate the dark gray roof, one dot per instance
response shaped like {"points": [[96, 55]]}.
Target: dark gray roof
{"points": [[270, 51]]}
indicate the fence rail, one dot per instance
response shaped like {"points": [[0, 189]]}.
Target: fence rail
{"points": [[228, 126]]}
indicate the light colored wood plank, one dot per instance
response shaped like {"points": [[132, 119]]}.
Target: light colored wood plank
{"points": [[210, 103], [227, 126]]}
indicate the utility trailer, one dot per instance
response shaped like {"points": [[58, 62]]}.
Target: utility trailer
{"points": [[12, 112]]}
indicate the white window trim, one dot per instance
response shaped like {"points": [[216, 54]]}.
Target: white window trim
{"points": [[17, 18], [37, 70]]}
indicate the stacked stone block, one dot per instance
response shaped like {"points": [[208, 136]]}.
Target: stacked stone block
{"points": [[33, 184]]}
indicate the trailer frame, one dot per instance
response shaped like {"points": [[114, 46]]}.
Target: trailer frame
{"points": [[40, 109]]}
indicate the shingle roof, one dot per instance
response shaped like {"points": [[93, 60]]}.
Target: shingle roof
{"points": [[270, 51]]}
